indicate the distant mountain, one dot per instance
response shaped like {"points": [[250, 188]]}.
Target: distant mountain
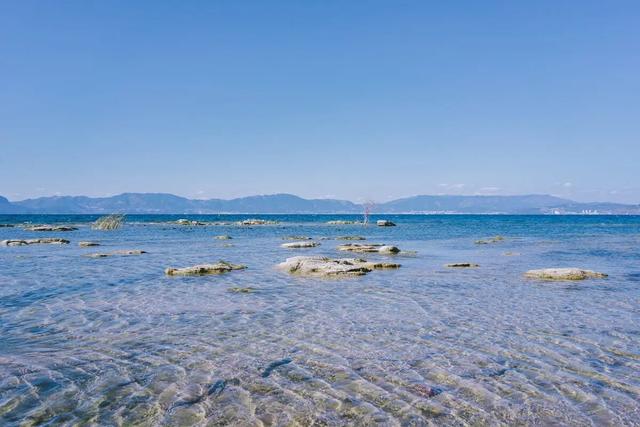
{"points": [[474, 204], [156, 203]]}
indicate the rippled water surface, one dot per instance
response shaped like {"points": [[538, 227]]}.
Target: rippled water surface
{"points": [[113, 341]]}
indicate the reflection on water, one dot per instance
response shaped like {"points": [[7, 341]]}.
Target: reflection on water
{"points": [[113, 341]]}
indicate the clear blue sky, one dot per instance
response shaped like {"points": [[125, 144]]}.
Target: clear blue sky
{"points": [[356, 100]]}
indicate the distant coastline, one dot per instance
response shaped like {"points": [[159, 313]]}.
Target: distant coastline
{"points": [[162, 203]]}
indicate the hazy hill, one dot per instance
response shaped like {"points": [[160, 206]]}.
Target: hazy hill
{"points": [[150, 203]]}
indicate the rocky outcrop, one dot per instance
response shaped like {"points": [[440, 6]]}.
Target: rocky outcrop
{"points": [[385, 223], [350, 238], [204, 269], [126, 252], [45, 241], [563, 274], [370, 248], [299, 245], [490, 240], [51, 228], [88, 244], [462, 265], [328, 267]]}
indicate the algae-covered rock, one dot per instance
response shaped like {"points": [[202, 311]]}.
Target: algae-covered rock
{"points": [[385, 223], [369, 248], [328, 267], [300, 245], [203, 269], [563, 274], [462, 265]]}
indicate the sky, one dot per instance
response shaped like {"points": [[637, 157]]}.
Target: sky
{"points": [[358, 100]]}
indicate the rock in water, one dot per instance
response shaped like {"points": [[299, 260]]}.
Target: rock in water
{"points": [[257, 222], [299, 245], [44, 241], [202, 269], [385, 223], [369, 248], [342, 222], [296, 238], [350, 238], [327, 267], [51, 228], [223, 237], [462, 265], [563, 274], [490, 240], [127, 252], [87, 244]]}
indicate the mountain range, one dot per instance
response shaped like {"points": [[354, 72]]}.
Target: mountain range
{"points": [[161, 203]]}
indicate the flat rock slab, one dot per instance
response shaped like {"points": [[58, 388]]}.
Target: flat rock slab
{"points": [[329, 267], [88, 244], [51, 228], [462, 265], [300, 245], [563, 274], [369, 248], [385, 223], [128, 252], [45, 241], [203, 269]]}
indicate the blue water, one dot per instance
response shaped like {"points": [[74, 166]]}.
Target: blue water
{"points": [[113, 341]]}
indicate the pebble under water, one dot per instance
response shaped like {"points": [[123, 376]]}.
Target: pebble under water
{"points": [[114, 341]]}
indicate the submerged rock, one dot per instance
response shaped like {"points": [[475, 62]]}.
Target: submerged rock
{"points": [[125, 252], [319, 266], [350, 238], [238, 290], [223, 237], [45, 241], [369, 248], [299, 245], [87, 244], [202, 269], [563, 274], [51, 228], [490, 240], [462, 265], [385, 223]]}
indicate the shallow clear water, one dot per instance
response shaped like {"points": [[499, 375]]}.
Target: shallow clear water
{"points": [[114, 341]]}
